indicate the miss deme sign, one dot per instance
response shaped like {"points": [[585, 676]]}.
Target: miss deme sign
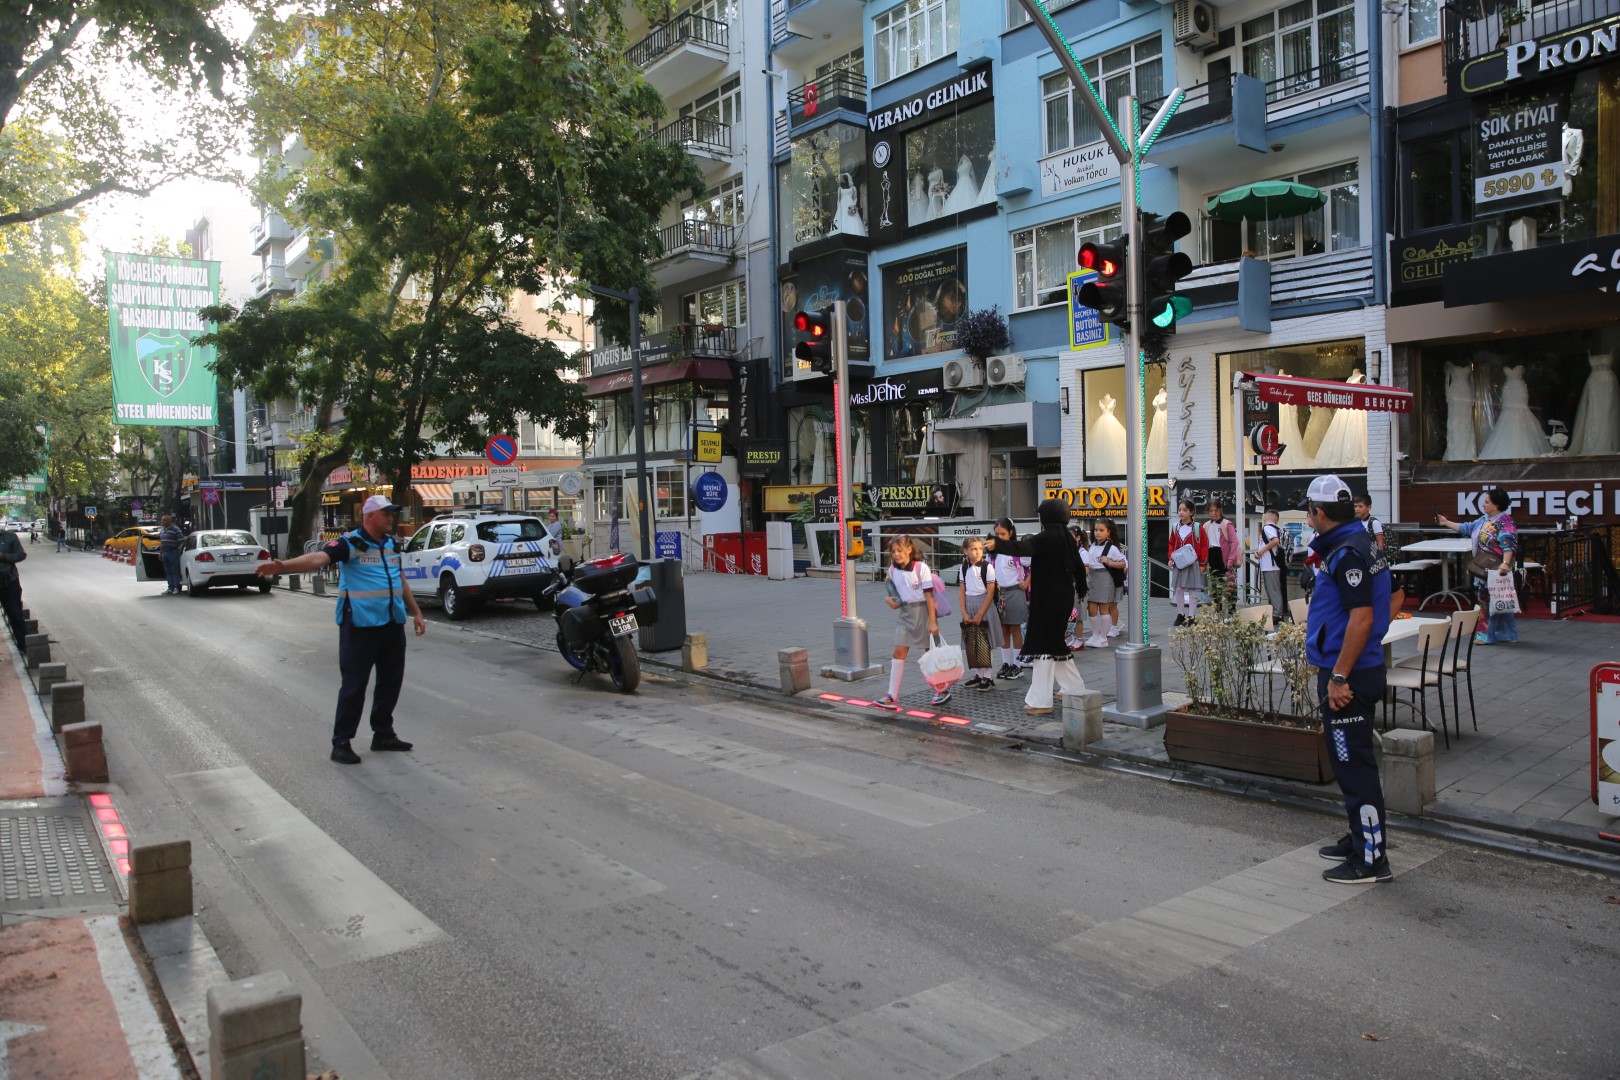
{"points": [[1548, 55], [159, 376]]}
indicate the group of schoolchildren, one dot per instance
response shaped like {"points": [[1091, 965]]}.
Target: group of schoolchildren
{"points": [[993, 606]]}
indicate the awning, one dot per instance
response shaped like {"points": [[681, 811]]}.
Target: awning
{"points": [[433, 494], [707, 370], [1326, 394]]}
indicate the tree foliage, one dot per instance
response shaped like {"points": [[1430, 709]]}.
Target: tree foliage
{"points": [[80, 84], [458, 152]]}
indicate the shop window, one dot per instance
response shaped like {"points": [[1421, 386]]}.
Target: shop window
{"points": [[811, 446], [950, 166], [910, 446], [669, 493], [1552, 396], [1135, 69], [1044, 257], [911, 35], [1101, 423], [1439, 183], [1315, 440], [823, 185], [607, 498], [1335, 226]]}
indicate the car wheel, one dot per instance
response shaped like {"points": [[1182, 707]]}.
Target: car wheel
{"points": [[193, 589], [266, 587], [455, 602]]}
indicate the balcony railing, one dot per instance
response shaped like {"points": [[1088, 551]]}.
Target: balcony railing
{"points": [[685, 29], [840, 89], [1205, 104], [696, 133], [1344, 74], [706, 341], [1476, 27], [700, 237]]}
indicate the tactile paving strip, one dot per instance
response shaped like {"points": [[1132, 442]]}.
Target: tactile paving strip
{"points": [[50, 860]]}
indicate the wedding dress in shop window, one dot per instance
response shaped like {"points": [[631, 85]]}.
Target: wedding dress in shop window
{"points": [[1158, 446], [1345, 444], [1293, 454], [1596, 427], [965, 194], [1517, 434], [1460, 437], [1105, 442]]}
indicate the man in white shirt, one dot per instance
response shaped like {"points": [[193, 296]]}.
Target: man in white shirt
{"points": [[1273, 575]]}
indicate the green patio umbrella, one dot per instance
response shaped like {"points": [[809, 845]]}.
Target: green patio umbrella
{"points": [[1268, 200]]}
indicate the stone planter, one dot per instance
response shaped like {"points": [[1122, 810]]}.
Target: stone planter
{"points": [[1291, 753]]}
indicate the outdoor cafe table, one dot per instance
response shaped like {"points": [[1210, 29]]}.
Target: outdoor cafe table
{"points": [[1446, 548]]}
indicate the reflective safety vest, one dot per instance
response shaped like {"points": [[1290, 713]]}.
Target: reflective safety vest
{"points": [[371, 582]]}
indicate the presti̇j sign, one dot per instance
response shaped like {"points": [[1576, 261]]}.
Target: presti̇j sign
{"points": [[159, 376]]}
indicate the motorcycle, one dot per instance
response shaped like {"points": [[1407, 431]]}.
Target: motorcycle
{"points": [[598, 613]]}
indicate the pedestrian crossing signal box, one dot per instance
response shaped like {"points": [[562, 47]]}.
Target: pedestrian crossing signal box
{"points": [[854, 542]]}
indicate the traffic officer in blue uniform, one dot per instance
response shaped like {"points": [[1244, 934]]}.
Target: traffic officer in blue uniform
{"points": [[371, 606], [1344, 636]]}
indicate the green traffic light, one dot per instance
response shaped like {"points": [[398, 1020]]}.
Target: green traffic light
{"points": [[1170, 310]]}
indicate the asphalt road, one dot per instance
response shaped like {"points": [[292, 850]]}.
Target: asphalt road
{"points": [[565, 882]]}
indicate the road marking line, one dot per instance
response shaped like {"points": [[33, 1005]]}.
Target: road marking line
{"points": [[939, 1033], [339, 910], [708, 819], [148, 1042], [1022, 775], [817, 781]]}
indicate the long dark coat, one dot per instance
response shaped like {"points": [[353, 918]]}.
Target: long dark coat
{"points": [[1057, 578]]}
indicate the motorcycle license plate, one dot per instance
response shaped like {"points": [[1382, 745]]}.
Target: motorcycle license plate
{"points": [[520, 564], [622, 625]]}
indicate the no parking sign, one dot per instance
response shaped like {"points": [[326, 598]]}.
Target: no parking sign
{"points": [[210, 496]]}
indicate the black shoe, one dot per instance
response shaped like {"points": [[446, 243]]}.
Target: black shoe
{"points": [[1357, 872], [1005, 672], [1179, 620], [344, 754], [1340, 851], [1014, 671], [389, 741], [982, 683]]}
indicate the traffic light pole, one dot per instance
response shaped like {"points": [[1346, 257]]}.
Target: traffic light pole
{"points": [[852, 658]]}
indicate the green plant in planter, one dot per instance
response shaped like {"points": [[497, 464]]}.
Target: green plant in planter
{"points": [[983, 333], [1217, 653]]}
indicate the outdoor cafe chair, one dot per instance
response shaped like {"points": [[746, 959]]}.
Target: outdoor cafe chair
{"points": [[1418, 677]]}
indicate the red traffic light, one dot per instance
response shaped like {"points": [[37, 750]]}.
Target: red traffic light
{"points": [[814, 325], [1094, 257]]}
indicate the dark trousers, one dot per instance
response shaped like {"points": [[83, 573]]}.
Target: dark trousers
{"points": [[1349, 735], [11, 601], [361, 648], [171, 566]]}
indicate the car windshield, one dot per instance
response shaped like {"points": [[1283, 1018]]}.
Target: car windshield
{"points": [[505, 532], [228, 539]]}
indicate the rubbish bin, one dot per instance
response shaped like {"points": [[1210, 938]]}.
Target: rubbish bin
{"points": [[669, 632]]}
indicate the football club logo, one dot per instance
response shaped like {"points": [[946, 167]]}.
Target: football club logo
{"points": [[165, 361]]}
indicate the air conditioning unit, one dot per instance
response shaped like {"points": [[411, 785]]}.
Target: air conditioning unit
{"points": [[963, 374], [1195, 24], [1004, 370]]}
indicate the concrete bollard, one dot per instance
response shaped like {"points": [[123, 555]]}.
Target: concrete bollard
{"points": [[160, 881], [84, 753], [317, 583], [67, 704], [795, 668], [37, 647], [294, 583], [1082, 719], [48, 675], [695, 652], [1408, 767], [30, 626], [255, 1030]]}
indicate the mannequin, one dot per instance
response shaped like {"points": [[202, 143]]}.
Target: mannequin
{"points": [[1460, 442], [1158, 444], [917, 200], [965, 192], [1345, 444], [1517, 434], [1315, 430], [1293, 455], [1105, 441], [1597, 418], [987, 190], [847, 219], [885, 221], [938, 192], [1574, 145]]}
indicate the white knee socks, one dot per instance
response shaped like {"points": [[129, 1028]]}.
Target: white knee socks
{"points": [[897, 672]]}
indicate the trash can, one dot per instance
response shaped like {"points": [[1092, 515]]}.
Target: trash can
{"points": [[669, 632]]}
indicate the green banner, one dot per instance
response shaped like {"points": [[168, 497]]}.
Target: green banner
{"points": [[159, 377]]}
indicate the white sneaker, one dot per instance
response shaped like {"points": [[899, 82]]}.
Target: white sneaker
{"points": [[1097, 642], [1114, 631]]}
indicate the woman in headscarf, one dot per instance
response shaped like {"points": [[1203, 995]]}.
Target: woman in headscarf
{"points": [[1496, 545], [1057, 580]]}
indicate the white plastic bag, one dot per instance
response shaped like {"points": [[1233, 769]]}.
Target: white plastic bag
{"points": [[1504, 597], [942, 665]]}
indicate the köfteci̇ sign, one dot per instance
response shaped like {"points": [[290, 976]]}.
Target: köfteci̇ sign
{"points": [[159, 376]]}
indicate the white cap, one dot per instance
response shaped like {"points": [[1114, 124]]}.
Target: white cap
{"points": [[381, 502], [1328, 489]]}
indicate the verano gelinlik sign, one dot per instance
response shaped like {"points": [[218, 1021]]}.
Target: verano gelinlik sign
{"points": [[159, 376]]}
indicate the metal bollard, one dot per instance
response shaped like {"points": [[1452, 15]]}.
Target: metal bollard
{"points": [[794, 665]]}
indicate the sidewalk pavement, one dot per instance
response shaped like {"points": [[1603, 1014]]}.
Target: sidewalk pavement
{"points": [[74, 998]]}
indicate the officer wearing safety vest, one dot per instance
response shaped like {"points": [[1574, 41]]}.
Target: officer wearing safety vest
{"points": [[1344, 641], [371, 606]]}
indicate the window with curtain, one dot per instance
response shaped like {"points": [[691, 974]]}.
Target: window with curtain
{"points": [[1301, 47], [1044, 257], [1422, 21], [1134, 69], [727, 303], [912, 34], [724, 203], [1335, 226]]}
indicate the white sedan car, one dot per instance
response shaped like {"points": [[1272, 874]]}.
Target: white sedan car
{"points": [[212, 557]]}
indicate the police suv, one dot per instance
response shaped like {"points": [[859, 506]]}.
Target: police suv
{"points": [[466, 557]]}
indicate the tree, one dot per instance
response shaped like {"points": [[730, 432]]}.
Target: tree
{"points": [[460, 152], [90, 75]]}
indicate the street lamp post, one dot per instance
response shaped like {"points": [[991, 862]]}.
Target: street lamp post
{"points": [[633, 298]]}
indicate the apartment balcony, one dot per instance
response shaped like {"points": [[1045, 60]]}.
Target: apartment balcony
{"points": [[683, 51], [305, 252], [270, 228], [1249, 293], [705, 341], [272, 281], [692, 249], [800, 28], [707, 142], [839, 95], [1245, 112], [1478, 28]]}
